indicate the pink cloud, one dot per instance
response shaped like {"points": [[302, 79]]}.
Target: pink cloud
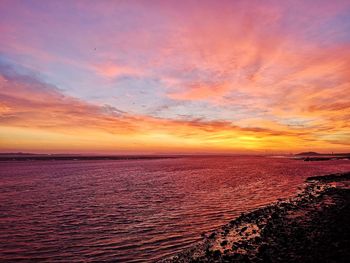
{"points": [[112, 70]]}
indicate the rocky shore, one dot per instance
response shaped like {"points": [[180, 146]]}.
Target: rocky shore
{"points": [[313, 226]]}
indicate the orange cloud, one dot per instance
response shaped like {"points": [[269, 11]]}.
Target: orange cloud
{"points": [[199, 91], [38, 116]]}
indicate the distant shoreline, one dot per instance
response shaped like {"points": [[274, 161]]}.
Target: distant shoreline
{"points": [[58, 157], [314, 156], [90, 157], [79, 157], [310, 227], [323, 158]]}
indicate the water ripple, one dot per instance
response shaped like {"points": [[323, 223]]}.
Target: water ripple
{"points": [[135, 210]]}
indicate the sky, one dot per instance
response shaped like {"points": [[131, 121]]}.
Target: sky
{"points": [[118, 77]]}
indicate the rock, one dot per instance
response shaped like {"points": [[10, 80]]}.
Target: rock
{"points": [[223, 243], [244, 229]]}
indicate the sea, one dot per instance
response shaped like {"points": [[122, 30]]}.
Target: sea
{"points": [[135, 210]]}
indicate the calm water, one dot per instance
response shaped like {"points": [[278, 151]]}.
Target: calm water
{"points": [[133, 211]]}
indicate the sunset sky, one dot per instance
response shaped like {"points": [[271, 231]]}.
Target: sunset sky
{"points": [[174, 76]]}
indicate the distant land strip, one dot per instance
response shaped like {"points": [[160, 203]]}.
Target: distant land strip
{"points": [[39, 157]]}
